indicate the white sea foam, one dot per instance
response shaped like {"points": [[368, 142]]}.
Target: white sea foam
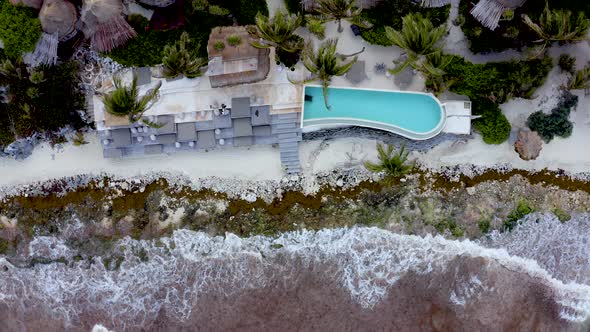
{"points": [[367, 262]]}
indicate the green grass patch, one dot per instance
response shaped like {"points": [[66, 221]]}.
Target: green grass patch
{"points": [[450, 225], [562, 215]]}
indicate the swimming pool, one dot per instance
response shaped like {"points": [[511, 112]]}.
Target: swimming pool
{"points": [[414, 115]]}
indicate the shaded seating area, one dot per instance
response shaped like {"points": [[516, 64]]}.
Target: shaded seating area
{"points": [[357, 73]]}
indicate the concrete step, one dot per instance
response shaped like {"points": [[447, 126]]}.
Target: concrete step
{"points": [[284, 125], [290, 154], [284, 130], [293, 146], [292, 115], [290, 160], [288, 135]]}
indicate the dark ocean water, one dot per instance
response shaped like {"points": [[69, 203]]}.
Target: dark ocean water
{"points": [[533, 279]]}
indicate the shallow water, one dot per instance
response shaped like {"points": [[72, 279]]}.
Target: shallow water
{"points": [[340, 279]]}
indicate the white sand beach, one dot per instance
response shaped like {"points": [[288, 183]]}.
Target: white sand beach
{"points": [[263, 163]]}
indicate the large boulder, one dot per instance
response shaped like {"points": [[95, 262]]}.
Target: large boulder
{"points": [[21, 149], [528, 144]]}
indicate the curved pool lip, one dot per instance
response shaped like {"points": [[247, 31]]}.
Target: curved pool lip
{"points": [[376, 124]]}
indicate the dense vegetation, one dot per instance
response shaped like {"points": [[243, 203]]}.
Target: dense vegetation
{"points": [[147, 49], [522, 209], [490, 84], [513, 33], [390, 13], [44, 99], [556, 123], [19, 28]]}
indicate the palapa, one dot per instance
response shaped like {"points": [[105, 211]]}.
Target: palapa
{"points": [[104, 24], [58, 16], [489, 12]]}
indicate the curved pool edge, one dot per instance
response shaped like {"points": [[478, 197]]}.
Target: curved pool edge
{"points": [[375, 124]]}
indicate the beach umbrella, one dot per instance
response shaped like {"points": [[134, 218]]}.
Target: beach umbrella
{"points": [[58, 17], [104, 24]]}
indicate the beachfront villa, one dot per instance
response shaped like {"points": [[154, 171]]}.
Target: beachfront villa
{"points": [[245, 99]]}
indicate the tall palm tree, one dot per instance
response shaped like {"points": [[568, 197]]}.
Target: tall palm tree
{"points": [[125, 100], [338, 10], [179, 60], [394, 164], [558, 25], [418, 37], [325, 64], [278, 31]]}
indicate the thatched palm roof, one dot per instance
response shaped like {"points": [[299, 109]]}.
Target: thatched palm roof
{"points": [[58, 16], [45, 52], [105, 25], [489, 12], [29, 3], [434, 3]]}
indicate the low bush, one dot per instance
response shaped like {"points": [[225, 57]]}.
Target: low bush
{"points": [[391, 12], [556, 123], [493, 125], [561, 215], [234, 40], [19, 28], [484, 225], [522, 209], [567, 63], [451, 225], [41, 101]]}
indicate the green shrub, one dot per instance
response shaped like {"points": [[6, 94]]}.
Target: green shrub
{"points": [[567, 63], [522, 209], [451, 225], [38, 105], [391, 12], [19, 29], [484, 225], [234, 40], [562, 215], [4, 246], [557, 122], [493, 125], [219, 45]]}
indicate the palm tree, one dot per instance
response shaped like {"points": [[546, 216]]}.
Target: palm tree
{"points": [[394, 164], [325, 64], [179, 60], [558, 25], [418, 37], [433, 67], [125, 100], [338, 10], [278, 32]]}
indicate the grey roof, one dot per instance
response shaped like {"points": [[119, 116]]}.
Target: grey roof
{"points": [[261, 131], [357, 74], [112, 153], [166, 139], [186, 132], [205, 139], [153, 149], [120, 137], [260, 115], [144, 75], [243, 141], [205, 125], [240, 107], [167, 122], [242, 127], [222, 121]]}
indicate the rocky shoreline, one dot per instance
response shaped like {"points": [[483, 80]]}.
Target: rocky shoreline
{"points": [[450, 203]]}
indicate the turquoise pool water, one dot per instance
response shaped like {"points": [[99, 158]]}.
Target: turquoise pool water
{"points": [[414, 112]]}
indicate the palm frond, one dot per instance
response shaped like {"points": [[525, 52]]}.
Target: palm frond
{"points": [[394, 164], [559, 25]]}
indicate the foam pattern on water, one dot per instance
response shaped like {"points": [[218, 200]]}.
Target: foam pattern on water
{"points": [[365, 261]]}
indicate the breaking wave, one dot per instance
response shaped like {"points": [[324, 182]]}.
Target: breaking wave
{"points": [[183, 278]]}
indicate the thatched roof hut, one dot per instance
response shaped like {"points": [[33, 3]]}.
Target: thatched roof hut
{"points": [[58, 16], [29, 3], [434, 3], [45, 52], [104, 24], [489, 12]]}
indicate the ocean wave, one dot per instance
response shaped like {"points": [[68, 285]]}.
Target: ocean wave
{"points": [[172, 275]]}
